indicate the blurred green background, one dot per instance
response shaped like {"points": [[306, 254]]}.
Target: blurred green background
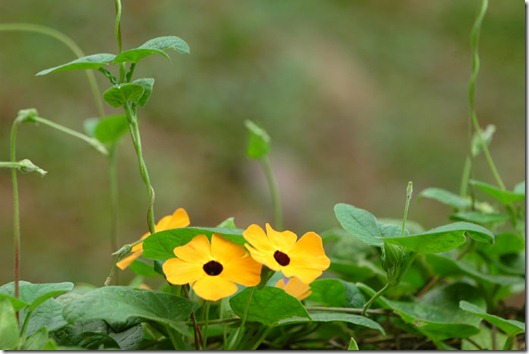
{"points": [[359, 97]]}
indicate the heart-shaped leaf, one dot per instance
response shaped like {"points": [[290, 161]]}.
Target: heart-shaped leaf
{"points": [[359, 223], [118, 95], [153, 46]]}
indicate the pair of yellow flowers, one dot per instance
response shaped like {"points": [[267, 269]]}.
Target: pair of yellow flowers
{"points": [[213, 268]]}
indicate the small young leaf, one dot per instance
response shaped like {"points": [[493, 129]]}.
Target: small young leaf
{"points": [[16, 303], [359, 223], [8, 326], [109, 129], [503, 196], [119, 95], [147, 84], [486, 137], [153, 46], [267, 306], [258, 141], [511, 327], [445, 197], [160, 245], [353, 345], [94, 61], [442, 238]]}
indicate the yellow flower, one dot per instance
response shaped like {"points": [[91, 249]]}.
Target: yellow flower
{"points": [[178, 219], [295, 287], [212, 269], [280, 251]]}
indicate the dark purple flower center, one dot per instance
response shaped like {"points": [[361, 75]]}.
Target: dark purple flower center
{"points": [[213, 268], [281, 258]]}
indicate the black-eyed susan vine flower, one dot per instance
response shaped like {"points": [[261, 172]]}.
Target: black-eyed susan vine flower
{"points": [[281, 251], [294, 287], [212, 268], [178, 219]]}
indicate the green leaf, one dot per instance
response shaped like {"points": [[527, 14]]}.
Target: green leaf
{"points": [[16, 303], [37, 340], [118, 303], [511, 327], [445, 197], [444, 266], [94, 61], [359, 223], [267, 306], [336, 293], [160, 245], [438, 315], [335, 317], [481, 218], [442, 238], [143, 269], [258, 141], [519, 188], [503, 196], [147, 84], [229, 223], [8, 326], [118, 95], [153, 46], [45, 310], [109, 129], [353, 345]]}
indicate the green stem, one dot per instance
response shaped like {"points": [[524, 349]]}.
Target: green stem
{"points": [[16, 210], [70, 44], [136, 140], [261, 338], [117, 30], [217, 321], [114, 201], [350, 310], [474, 41], [239, 337], [93, 142], [373, 298], [206, 324], [276, 203], [409, 192]]}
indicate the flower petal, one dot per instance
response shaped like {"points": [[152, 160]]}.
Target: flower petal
{"points": [[179, 272], [295, 287], [245, 271], [264, 257], [307, 258], [283, 241], [225, 251], [161, 225], [256, 236], [178, 219], [125, 262], [198, 250], [214, 288]]}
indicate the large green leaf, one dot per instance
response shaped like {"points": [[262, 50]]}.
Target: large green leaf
{"points": [[119, 303], [336, 293], [359, 223], [445, 266], [153, 46], [8, 326], [267, 306], [511, 327], [118, 95], [94, 61], [44, 310], [445, 197], [481, 218], [442, 238], [335, 317], [503, 196], [160, 245]]}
